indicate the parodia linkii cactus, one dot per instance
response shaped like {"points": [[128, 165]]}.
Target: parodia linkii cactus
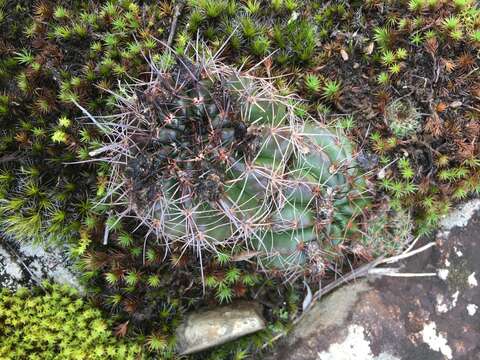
{"points": [[207, 157]]}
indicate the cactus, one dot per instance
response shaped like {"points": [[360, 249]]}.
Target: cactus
{"points": [[402, 118], [206, 156]]}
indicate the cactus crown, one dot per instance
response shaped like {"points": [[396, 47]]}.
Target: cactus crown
{"points": [[402, 118], [206, 156]]}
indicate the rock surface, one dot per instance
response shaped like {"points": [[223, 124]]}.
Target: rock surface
{"points": [[429, 318], [11, 273], [28, 265], [202, 330]]}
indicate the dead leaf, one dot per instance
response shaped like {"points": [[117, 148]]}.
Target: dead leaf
{"points": [[245, 255], [308, 298], [465, 61], [369, 49], [476, 91], [240, 290], [268, 65], [433, 125], [441, 107], [344, 55], [21, 137], [431, 45], [381, 174], [121, 330], [448, 65]]}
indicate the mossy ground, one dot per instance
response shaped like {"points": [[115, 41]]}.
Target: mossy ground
{"points": [[350, 61]]}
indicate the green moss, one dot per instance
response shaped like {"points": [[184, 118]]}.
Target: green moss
{"points": [[55, 323]]}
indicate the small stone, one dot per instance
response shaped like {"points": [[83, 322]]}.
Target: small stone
{"points": [[456, 104], [369, 49], [206, 329]]}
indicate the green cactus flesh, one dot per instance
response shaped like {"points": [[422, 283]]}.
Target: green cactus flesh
{"points": [[215, 157]]}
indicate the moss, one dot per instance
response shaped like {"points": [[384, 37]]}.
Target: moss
{"points": [[55, 322]]}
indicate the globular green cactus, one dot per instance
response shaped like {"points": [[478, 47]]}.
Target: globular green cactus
{"points": [[206, 156], [402, 118]]}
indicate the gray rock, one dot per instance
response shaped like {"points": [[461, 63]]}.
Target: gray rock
{"points": [[28, 265], [432, 318], [49, 263], [11, 273], [203, 330]]}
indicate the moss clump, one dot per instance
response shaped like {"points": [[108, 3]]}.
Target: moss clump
{"points": [[57, 324]]}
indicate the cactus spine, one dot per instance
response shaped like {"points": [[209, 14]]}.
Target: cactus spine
{"points": [[205, 156]]}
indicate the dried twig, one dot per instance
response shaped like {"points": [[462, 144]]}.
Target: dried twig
{"points": [[178, 9], [9, 157]]}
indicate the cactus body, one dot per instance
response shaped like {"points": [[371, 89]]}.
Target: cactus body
{"points": [[215, 157], [403, 119]]}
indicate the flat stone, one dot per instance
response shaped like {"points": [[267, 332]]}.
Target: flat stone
{"points": [[391, 318], [206, 329]]}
